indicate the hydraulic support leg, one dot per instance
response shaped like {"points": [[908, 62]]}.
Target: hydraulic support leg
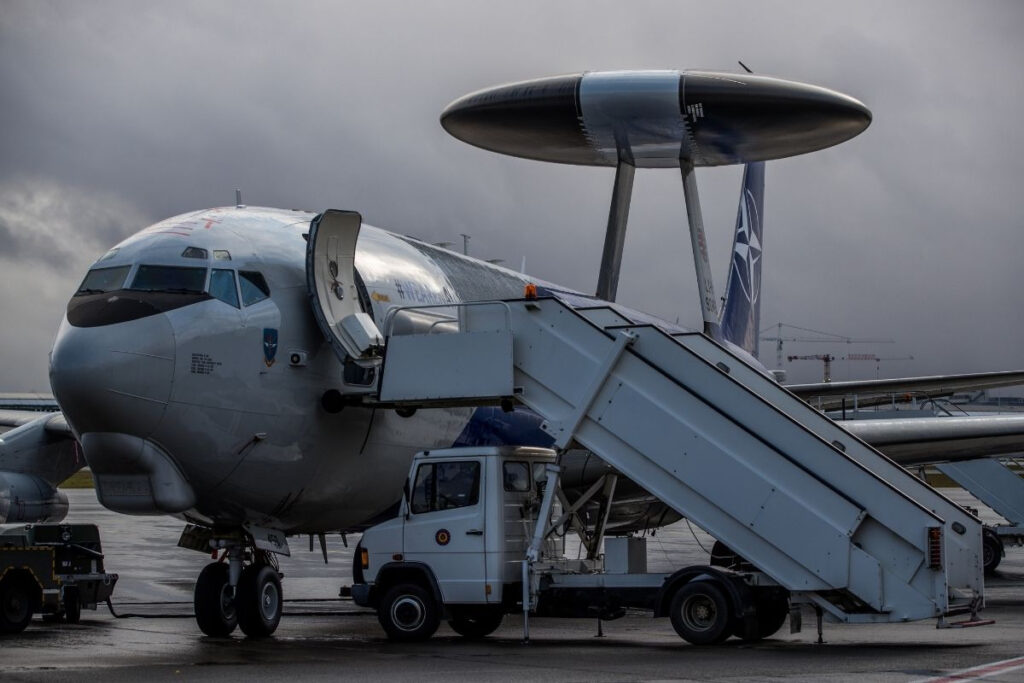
{"points": [[699, 243], [615, 236]]}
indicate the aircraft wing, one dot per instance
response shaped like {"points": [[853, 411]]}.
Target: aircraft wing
{"points": [[920, 440], [830, 395], [56, 425]]}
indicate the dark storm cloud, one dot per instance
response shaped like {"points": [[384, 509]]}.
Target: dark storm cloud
{"points": [[911, 230], [56, 226]]}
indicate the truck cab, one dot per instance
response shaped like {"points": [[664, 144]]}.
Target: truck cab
{"points": [[457, 545]]}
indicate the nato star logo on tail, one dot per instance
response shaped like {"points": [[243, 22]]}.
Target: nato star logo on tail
{"points": [[741, 314], [746, 257]]}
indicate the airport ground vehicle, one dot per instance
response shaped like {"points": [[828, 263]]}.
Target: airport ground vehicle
{"points": [[53, 569], [847, 532], [458, 548]]}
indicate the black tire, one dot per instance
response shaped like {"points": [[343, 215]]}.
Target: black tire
{"points": [[16, 602], [72, 606], [772, 610], [259, 600], [700, 613], [408, 612], [214, 603], [475, 624], [991, 550]]}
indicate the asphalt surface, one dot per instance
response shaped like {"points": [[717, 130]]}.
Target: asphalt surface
{"points": [[323, 637]]}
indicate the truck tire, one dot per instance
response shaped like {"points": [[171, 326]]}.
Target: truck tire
{"points": [[72, 606], [475, 624], [771, 615], [772, 611], [991, 550], [700, 613], [408, 613], [259, 600], [15, 604], [214, 603]]}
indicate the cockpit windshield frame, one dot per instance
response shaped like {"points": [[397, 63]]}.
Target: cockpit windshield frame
{"points": [[173, 279], [100, 280]]}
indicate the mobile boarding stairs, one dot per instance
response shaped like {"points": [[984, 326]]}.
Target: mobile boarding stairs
{"points": [[817, 511]]}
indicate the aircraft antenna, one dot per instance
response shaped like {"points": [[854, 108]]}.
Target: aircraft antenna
{"points": [[238, 199], [745, 67]]}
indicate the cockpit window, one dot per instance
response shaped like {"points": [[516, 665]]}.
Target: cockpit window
{"points": [[254, 287], [103, 280], [222, 286], [170, 279]]}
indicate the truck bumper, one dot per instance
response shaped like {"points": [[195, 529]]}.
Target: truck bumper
{"points": [[361, 594]]}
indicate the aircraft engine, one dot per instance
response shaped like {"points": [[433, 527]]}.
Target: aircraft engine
{"points": [[27, 499]]}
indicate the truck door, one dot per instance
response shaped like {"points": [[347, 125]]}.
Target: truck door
{"points": [[446, 526], [331, 283]]}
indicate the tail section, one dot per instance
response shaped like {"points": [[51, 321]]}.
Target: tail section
{"points": [[741, 315]]}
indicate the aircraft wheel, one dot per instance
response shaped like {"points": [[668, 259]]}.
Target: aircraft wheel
{"points": [[476, 624], [15, 604], [259, 600], [408, 613], [72, 606], [700, 613], [991, 550], [214, 601]]}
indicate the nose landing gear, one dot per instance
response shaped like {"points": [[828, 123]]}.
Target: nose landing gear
{"points": [[232, 594]]}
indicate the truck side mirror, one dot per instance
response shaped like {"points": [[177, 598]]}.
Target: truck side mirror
{"points": [[406, 496]]}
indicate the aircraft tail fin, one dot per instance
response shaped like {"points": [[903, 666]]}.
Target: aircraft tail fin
{"points": [[741, 315]]}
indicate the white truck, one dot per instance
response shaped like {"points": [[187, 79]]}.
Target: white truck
{"points": [[467, 541]]}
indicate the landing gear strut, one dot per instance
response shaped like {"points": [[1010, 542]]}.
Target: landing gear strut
{"points": [[232, 593]]}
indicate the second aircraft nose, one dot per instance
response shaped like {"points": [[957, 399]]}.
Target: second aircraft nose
{"points": [[114, 378]]}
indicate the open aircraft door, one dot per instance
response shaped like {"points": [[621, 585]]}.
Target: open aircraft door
{"points": [[331, 283]]}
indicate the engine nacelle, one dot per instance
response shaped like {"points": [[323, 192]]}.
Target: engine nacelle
{"points": [[28, 499]]}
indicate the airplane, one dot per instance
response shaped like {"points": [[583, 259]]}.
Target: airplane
{"points": [[199, 375]]}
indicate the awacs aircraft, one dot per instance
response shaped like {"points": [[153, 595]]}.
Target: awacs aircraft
{"points": [[220, 366]]}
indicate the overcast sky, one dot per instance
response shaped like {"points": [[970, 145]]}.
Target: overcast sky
{"points": [[117, 114]]}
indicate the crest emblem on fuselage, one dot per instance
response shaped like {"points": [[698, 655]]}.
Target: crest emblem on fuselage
{"points": [[269, 345]]}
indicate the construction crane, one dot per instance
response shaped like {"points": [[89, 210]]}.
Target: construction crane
{"points": [[827, 359], [877, 359], [823, 337]]}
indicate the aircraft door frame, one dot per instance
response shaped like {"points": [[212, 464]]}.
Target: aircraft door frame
{"points": [[331, 280]]}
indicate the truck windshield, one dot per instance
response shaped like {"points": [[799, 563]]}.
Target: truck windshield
{"points": [[445, 485], [170, 279]]}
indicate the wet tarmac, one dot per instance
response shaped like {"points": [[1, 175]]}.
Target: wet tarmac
{"points": [[324, 637]]}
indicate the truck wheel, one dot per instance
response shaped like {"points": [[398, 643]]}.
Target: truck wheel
{"points": [[772, 611], [476, 624], [700, 613], [214, 602], [991, 550], [72, 606], [408, 612], [15, 604], [259, 601]]}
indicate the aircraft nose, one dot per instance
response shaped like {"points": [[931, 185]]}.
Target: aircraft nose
{"points": [[114, 378]]}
